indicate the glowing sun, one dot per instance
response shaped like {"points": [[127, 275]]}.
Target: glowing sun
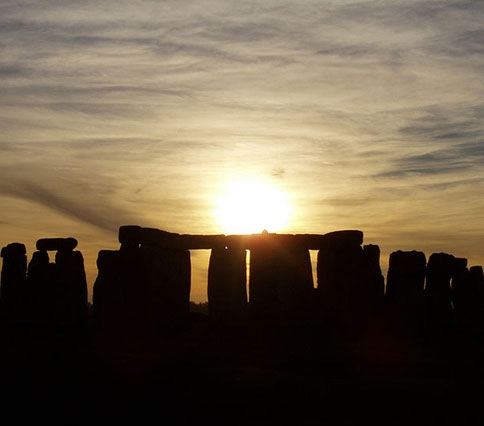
{"points": [[247, 207]]}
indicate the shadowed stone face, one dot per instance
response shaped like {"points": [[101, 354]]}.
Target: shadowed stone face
{"points": [[339, 275], [166, 281], [406, 279], [280, 281], [39, 280], [13, 279], [63, 244], [72, 287], [440, 269], [227, 280], [107, 293], [466, 298]]}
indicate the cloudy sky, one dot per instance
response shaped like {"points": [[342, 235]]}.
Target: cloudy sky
{"points": [[369, 115]]}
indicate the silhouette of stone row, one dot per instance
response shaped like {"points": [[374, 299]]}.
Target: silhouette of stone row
{"points": [[54, 293], [132, 234], [281, 283], [435, 290], [55, 244], [142, 288], [350, 283]]}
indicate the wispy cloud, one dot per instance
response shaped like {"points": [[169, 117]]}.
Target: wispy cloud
{"points": [[137, 111]]}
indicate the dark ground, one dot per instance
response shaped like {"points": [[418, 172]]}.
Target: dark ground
{"points": [[251, 375]]}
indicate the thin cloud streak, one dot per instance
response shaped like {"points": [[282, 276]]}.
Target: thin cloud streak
{"points": [[136, 112]]}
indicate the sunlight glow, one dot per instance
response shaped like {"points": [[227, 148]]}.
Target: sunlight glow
{"points": [[251, 206]]}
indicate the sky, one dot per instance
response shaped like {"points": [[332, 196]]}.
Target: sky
{"points": [[366, 114]]}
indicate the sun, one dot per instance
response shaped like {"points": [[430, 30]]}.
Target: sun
{"points": [[251, 206]]}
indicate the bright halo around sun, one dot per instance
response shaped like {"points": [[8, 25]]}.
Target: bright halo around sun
{"points": [[247, 207]]}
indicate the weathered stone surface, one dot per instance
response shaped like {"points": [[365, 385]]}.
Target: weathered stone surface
{"points": [[280, 282], [226, 289], [47, 244], [13, 281], [438, 301]]}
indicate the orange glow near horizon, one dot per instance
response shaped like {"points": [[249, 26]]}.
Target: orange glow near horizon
{"points": [[251, 206]]}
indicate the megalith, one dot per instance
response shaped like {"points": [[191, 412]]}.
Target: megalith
{"points": [[280, 281], [406, 281], [441, 268], [226, 288], [13, 281], [350, 284], [72, 287]]}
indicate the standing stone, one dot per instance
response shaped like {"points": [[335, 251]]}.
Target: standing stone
{"points": [[342, 289], [476, 277], [440, 269], [107, 293], [39, 280], [13, 281], [373, 288], [72, 287], [463, 295], [227, 281], [166, 286], [281, 282], [406, 280]]}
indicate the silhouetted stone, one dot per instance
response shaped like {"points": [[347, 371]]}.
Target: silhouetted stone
{"points": [[343, 238], [373, 288], [157, 237], [303, 241], [72, 287], [226, 289], [406, 280], [13, 249], [107, 294], [64, 244], [168, 240], [280, 282], [131, 234], [477, 277], [200, 242], [465, 296], [166, 282], [39, 280], [340, 285], [440, 269], [13, 281]]}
